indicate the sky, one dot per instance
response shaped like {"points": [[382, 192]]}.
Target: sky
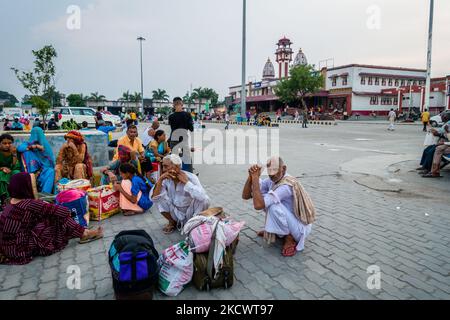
{"points": [[198, 42]]}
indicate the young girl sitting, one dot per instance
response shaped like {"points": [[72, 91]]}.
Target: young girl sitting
{"points": [[158, 148], [134, 191]]}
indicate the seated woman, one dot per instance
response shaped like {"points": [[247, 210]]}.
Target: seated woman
{"points": [[111, 174], [9, 164], [30, 227], [134, 191], [37, 157], [158, 148], [74, 161]]}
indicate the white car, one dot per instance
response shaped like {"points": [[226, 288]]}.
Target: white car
{"points": [[440, 119], [81, 114]]}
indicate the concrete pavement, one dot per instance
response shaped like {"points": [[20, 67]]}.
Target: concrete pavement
{"points": [[404, 235]]}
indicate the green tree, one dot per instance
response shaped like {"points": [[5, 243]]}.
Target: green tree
{"points": [[303, 80], [39, 82], [42, 106], [9, 97], [96, 97], [136, 97], [160, 95], [54, 97], [126, 97], [206, 94], [76, 100]]}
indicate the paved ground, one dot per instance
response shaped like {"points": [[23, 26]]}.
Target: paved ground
{"points": [[404, 230]]}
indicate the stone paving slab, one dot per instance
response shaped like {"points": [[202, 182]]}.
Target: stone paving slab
{"points": [[356, 228]]}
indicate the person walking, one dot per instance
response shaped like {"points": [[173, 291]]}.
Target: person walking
{"points": [[227, 121], [392, 116], [305, 118], [425, 117]]}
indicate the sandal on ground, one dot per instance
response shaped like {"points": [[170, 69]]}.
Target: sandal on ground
{"points": [[420, 168], [170, 228], [260, 233], [89, 239], [430, 175]]}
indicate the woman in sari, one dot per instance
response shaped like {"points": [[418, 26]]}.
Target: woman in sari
{"points": [[9, 164], [111, 174], [74, 161], [30, 227], [37, 158]]}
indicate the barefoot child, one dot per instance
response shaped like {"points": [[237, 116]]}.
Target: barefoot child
{"points": [[134, 191]]}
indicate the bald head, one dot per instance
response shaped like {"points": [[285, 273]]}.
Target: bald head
{"points": [[155, 125]]}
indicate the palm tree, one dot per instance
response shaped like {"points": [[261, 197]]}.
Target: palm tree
{"points": [[97, 97], [136, 97], [126, 97], [160, 95]]}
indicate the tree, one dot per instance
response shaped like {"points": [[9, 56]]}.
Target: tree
{"points": [[126, 97], [160, 95], [39, 82], [201, 94], [54, 97], [303, 80], [42, 106], [96, 97], [76, 100], [9, 97], [136, 97]]}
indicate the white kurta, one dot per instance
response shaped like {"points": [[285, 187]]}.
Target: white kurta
{"points": [[183, 201], [281, 219]]}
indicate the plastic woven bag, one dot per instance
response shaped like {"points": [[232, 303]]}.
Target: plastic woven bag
{"points": [[177, 268]]}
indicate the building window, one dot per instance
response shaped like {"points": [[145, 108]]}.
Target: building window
{"points": [[390, 82], [333, 82], [414, 83], [402, 83], [363, 80], [395, 101], [386, 101], [396, 83], [377, 81], [344, 81], [373, 100], [370, 82], [383, 81]]}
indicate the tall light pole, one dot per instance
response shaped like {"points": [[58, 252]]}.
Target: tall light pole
{"points": [[430, 42], [140, 39], [243, 89]]}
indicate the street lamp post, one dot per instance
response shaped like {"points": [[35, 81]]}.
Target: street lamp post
{"points": [[243, 89], [430, 42], [140, 39]]}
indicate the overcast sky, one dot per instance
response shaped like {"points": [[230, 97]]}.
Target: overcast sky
{"points": [[198, 42]]}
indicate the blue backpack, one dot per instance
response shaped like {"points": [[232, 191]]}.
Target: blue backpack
{"points": [[134, 262]]}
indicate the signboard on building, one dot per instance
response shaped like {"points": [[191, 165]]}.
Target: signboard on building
{"points": [[257, 84]]}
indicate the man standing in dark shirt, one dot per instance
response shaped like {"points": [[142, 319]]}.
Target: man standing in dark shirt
{"points": [[180, 122]]}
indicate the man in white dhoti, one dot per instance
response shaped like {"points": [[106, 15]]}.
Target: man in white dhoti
{"points": [[178, 194], [289, 209]]}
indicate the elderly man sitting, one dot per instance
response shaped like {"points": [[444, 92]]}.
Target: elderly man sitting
{"points": [[289, 209], [442, 148], [178, 194]]}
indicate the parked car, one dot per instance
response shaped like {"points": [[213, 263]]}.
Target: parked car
{"points": [[440, 119], [81, 114]]}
